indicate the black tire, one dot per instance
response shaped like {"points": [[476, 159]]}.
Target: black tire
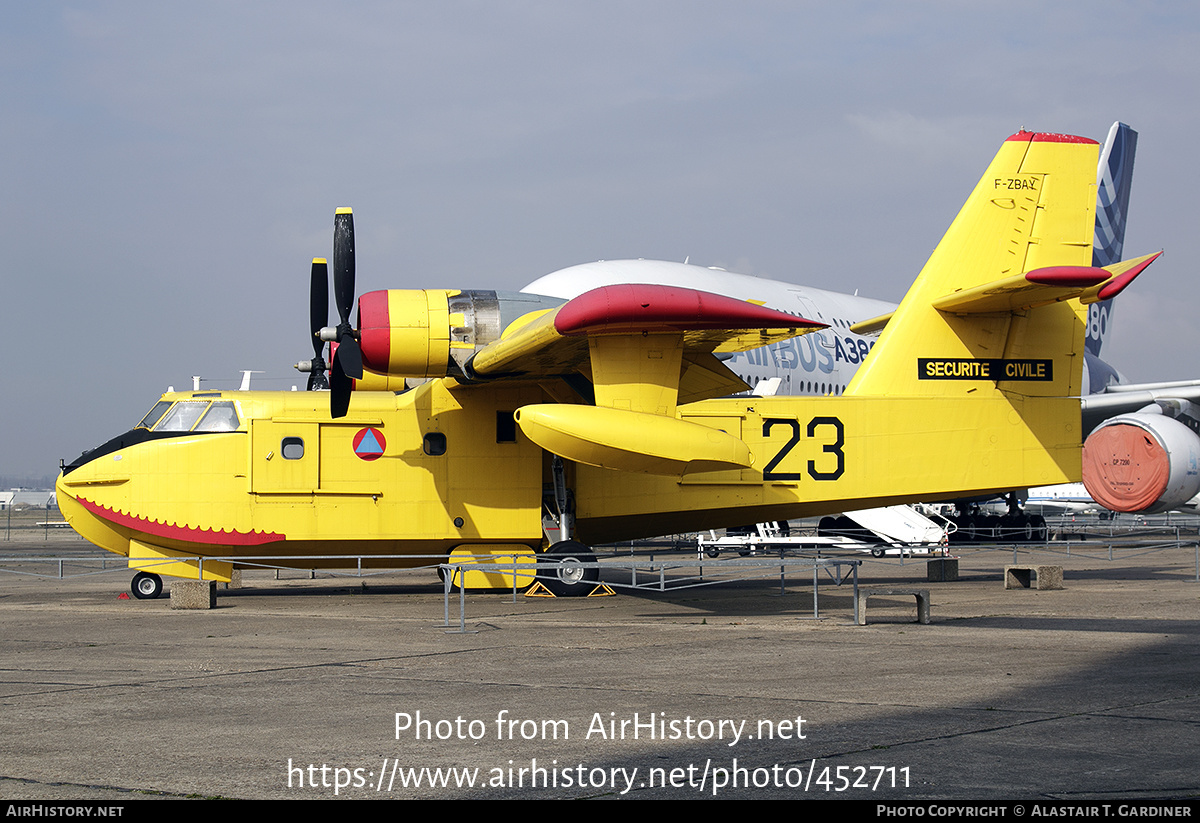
{"points": [[712, 551], [1041, 532], [560, 572], [877, 551], [146, 586], [969, 529], [1027, 532]]}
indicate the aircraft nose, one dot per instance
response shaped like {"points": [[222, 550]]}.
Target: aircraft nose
{"points": [[83, 484]]}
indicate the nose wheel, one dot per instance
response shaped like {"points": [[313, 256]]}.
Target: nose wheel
{"points": [[146, 586]]}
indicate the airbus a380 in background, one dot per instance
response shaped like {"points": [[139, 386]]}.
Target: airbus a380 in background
{"points": [[1144, 455]]}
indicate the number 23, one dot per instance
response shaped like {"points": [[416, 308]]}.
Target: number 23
{"points": [[834, 448]]}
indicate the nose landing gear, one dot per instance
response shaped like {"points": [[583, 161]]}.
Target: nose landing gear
{"points": [[146, 586]]}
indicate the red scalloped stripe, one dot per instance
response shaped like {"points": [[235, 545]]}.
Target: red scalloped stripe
{"points": [[188, 533]]}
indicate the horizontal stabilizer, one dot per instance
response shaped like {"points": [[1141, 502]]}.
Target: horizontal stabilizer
{"points": [[1040, 287], [1124, 274]]}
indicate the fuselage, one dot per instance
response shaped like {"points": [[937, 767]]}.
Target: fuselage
{"points": [[441, 467]]}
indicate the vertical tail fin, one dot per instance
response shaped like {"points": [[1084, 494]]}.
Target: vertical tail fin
{"points": [[1033, 209]]}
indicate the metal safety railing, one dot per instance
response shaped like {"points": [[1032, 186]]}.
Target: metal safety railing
{"points": [[658, 575]]}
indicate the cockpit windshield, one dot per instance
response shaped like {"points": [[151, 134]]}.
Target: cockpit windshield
{"points": [[192, 415], [154, 415], [182, 416], [220, 417]]}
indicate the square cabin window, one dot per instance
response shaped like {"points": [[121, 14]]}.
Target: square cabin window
{"points": [[435, 444], [292, 448]]}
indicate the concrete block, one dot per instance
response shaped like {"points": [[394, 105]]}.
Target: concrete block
{"points": [[193, 594], [922, 596], [1047, 578], [942, 570]]}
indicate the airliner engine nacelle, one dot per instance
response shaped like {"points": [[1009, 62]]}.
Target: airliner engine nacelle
{"points": [[1142, 462], [434, 332]]}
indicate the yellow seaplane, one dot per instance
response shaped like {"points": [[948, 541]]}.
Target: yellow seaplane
{"points": [[456, 420]]}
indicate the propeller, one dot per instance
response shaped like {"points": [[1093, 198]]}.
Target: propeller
{"points": [[318, 316], [344, 351], [347, 357]]}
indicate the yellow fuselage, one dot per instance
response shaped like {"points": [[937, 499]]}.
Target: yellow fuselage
{"points": [[445, 467]]}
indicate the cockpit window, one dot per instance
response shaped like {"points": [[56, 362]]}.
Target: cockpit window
{"points": [[221, 417], [154, 415], [182, 417]]}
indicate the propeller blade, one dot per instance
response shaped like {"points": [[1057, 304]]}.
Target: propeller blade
{"points": [[340, 387], [343, 263], [318, 302], [347, 359], [350, 356]]}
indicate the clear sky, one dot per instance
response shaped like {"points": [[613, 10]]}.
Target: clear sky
{"points": [[171, 169]]}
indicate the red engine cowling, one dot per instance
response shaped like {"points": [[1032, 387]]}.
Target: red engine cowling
{"points": [[1142, 463]]}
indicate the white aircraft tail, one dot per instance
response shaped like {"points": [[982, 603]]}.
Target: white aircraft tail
{"points": [[899, 525], [1114, 179]]}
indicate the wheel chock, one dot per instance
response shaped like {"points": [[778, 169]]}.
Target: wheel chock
{"points": [[538, 590]]}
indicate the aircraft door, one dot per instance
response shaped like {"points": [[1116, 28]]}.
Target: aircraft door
{"points": [[284, 457]]}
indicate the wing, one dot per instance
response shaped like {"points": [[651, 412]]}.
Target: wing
{"points": [[615, 323], [632, 353], [1131, 397]]}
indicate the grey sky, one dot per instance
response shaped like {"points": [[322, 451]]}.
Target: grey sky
{"points": [[172, 169]]}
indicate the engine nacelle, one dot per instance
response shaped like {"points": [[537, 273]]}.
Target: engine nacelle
{"points": [[1142, 463], [405, 332], [434, 332]]}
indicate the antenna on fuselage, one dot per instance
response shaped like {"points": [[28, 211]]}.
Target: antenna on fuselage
{"points": [[246, 379]]}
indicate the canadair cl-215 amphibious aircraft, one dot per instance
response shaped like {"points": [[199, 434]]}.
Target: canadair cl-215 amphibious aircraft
{"points": [[617, 400]]}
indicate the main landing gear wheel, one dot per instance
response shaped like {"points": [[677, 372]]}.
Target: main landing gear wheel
{"points": [[1041, 532], [146, 586], [561, 572]]}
